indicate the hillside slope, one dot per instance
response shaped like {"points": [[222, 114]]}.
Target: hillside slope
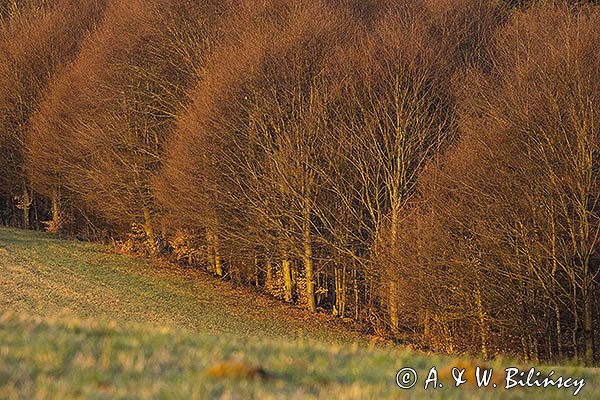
{"points": [[46, 276], [77, 321]]}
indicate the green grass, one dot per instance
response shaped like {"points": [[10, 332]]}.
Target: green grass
{"points": [[47, 276], [78, 321]]}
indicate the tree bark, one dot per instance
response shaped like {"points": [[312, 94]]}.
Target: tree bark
{"points": [[588, 327], [356, 295], [217, 253], [26, 207], [269, 279], [393, 305], [393, 286], [340, 291], [56, 212], [308, 258], [482, 324], [286, 269], [149, 229]]}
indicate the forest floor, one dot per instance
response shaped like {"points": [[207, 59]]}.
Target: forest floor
{"points": [[78, 320]]}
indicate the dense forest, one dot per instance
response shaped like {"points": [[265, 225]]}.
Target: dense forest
{"points": [[426, 168]]}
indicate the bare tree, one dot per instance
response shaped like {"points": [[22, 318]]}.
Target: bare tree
{"points": [[37, 39]]}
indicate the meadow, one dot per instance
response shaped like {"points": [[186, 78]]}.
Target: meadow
{"points": [[78, 320]]}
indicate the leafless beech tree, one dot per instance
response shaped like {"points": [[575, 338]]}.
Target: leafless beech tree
{"points": [[517, 197], [108, 113], [36, 39], [425, 167]]}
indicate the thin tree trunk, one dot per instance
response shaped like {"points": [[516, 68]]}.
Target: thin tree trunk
{"points": [[558, 327], [210, 251], [217, 252], [308, 258], [343, 292], [588, 327], [286, 269], [149, 229], [56, 212], [482, 324], [256, 271], [26, 206], [214, 252], [393, 286], [36, 214], [269, 279], [356, 294], [340, 291], [575, 324], [393, 305]]}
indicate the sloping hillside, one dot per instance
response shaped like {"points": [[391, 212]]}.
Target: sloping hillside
{"points": [[48, 276], [78, 321]]}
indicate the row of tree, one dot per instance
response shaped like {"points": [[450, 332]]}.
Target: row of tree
{"points": [[427, 168]]}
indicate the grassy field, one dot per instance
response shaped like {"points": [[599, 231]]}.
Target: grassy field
{"points": [[48, 276], [79, 321]]}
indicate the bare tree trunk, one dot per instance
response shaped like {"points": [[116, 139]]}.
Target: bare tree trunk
{"points": [[286, 269], [575, 324], [56, 218], [55, 210], [393, 305], [525, 349], [482, 324], [269, 279], [36, 214], [356, 294], [393, 286], [149, 229], [217, 252], [214, 252], [308, 260], [256, 271], [344, 286], [340, 291], [210, 251], [27, 200], [558, 328], [588, 319]]}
